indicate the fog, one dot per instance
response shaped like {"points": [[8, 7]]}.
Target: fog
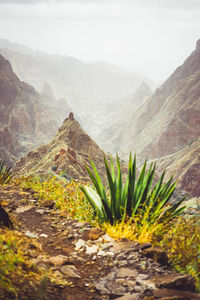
{"points": [[151, 36]]}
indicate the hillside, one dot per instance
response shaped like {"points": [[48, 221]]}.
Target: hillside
{"points": [[170, 119], [25, 119], [168, 123], [69, 150]]}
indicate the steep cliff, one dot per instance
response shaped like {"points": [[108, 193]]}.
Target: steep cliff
{"points": [[167, 126], [25, 120]]}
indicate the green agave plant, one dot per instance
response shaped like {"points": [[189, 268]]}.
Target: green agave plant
{"points": [[5, 173], [137, 197]]}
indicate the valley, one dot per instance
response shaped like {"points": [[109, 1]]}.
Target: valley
{"points": [[96, 222]]}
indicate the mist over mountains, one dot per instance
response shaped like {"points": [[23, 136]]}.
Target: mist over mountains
{"points": [[116, 107], [87, 87]]}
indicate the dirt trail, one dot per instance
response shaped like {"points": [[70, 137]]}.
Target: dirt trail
{"points": [[93, 264]]}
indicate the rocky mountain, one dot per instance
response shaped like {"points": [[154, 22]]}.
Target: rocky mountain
{"points": [[112, 136], [88, 87], [167, 126], [69, 150], [170, 120], [185, 165], [25, 120]]}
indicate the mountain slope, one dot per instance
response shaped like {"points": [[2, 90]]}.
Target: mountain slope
{"points": [[24, 119], [171, 118], [167, 126], [185, 165], [68, 151]]}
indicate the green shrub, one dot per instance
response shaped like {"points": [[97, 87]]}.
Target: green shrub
{"points": [[67, 197], [182, 243], [136, 198], [5, 173]]}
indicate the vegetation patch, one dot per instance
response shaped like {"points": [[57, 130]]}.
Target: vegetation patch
{"points": [[68, 197], [5, 173], [140, 210], [182, 243], [15, 266]]}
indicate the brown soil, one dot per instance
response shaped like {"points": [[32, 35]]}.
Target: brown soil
{"points": [[61, 234]]}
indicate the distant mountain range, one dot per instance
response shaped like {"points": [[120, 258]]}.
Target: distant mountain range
{"points": [[87, 87], [163, 126]]}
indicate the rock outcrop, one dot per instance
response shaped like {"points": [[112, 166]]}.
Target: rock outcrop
{"points": [[25, 120], [170, 120], [69, 151], [167, 126]]}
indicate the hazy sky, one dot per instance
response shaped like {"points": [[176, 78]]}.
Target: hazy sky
{"points": [[152, 36]]}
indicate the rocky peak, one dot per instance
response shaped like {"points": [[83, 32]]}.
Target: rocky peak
{"points": [[71, 116], [70, 150], [198, 45], [6, 72]]}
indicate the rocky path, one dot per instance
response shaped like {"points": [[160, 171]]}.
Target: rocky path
{"points": [[93, 265]]}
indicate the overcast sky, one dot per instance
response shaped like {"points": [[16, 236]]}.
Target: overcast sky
{"points": [[151, 36]]}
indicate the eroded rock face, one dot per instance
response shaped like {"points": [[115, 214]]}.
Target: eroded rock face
{"points": [[167, 126], [70, 150], [24, 119]]}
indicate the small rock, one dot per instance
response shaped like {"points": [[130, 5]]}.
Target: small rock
{"points": [[100, 240], [80, 224], [94, 234], [54, 168], [174, 281], [58, 260], [110, 276], [43, 235], [42, 266], [158, 255], [32, 253], [107, 238], [122, 263], [101, 253], [168, 294], [22, 209], [144, 246], [125, 272], [138, 289], [41, 211], [106, 246], [79, 244], [115, 289], [143, 276], [131, 256], [70, 236], [109, 253], [92, 250], [121, 256], [33, 201], [70, 271], [129, 296], [4, 218], [48, 203], [130, 284], [101, 287], [30, 234]]}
